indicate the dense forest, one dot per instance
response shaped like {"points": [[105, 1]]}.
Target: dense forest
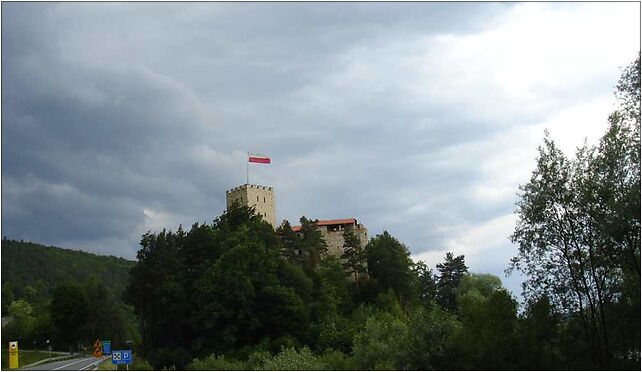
{"points": [[238, 295], [68, 297]]}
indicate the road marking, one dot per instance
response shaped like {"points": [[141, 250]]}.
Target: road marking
{"points": [[95, 364], [67, 365]]}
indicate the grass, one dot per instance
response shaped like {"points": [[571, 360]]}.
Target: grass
{"points": [[106, 365], [24, 357]]}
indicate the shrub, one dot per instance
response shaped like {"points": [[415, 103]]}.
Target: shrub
{"points": [[257, 359], [216, 363], [379, 344], [336, 333], [289, 359], [430, 344], [336, 360]]}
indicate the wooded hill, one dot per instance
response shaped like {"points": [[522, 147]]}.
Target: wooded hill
{"points": [[43, 267], [70, 298]]}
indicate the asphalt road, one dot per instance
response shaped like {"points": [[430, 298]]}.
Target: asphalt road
{"points": [[79, 364]]}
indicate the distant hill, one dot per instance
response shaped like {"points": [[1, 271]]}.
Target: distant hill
{"points": [[39, 266]]}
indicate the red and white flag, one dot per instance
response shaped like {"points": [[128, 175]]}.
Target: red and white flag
{"points": [[258, 158]]}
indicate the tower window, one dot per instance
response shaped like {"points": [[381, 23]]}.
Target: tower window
{"points": [[257, 198], [264, 199]]}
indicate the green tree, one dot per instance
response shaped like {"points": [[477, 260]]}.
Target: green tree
{"points": [[354, 256], [106, 319], [69, 312], [313, 246], [554, 252], [487, 337], [578, 231], [291, 243], [335, 360], [216, 363], [429, 343], [162, 304], [477, 286], [331, 290], [290, 359], [450, 273], [426, 283], [7, 297], [241, 300], [539, 337], [215, 289], [57, 265], [336, 333], [611, 199], [22, 321], [390, 267], [30, 294], [379, 345]]}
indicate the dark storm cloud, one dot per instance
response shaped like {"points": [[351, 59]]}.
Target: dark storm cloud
{"points": [[111, 108], [123, 117]]}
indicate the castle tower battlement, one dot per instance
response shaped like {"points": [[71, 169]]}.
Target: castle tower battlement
{"points": [[258, 196]]}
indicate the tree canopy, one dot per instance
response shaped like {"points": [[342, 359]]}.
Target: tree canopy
{"points": [[578, 232]]}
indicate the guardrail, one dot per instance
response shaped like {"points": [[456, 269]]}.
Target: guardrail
{"points": [[52, 359]]}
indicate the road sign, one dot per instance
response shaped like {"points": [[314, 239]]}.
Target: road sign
{"points": [[97, 349], [121, 357], [106, 347], [13, 354]]}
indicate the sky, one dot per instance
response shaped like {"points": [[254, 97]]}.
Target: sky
{"points": [[421, 119]]}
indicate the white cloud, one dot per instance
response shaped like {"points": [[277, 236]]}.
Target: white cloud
{"points": [[476, 242], [485, 247], [572, 125]]}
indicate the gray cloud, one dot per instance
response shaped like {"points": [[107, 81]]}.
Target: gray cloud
{"points": [[414, 117]]}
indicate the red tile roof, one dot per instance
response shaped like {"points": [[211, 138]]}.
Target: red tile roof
{"points": [[341, 221]]}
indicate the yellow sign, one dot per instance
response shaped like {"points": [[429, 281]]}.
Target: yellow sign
{"points": [[13, 354]]}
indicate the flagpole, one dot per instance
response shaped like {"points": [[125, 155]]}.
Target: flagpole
{"points": [[247, 162]]}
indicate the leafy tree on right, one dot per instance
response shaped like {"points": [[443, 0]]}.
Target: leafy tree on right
{"points": [[578, 232]]}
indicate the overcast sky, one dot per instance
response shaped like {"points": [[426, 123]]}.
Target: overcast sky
{"points": [[418, 118]]}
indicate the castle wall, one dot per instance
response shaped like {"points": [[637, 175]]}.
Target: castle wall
{"points": [[333, 235], [332, 232]]}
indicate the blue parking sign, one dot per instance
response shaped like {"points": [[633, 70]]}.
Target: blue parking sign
{"points": [[121, 357]]}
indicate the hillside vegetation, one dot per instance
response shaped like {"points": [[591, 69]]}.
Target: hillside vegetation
{"points": [[30, 264], [70, 298]]}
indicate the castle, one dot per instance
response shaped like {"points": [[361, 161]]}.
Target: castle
{"points": [[332, 232], [262, 199], [259, 197]]}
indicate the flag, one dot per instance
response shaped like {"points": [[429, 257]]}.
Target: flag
{"points": [[258, 158]]}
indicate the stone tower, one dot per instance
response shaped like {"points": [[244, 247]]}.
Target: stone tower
{"points": [[257, 196]]}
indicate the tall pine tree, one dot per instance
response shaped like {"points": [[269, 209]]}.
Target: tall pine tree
{"points": [[450, 273]]}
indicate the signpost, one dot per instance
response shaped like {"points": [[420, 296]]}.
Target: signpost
{"points": [[13, 354], [121, 357], [106, 347]]}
